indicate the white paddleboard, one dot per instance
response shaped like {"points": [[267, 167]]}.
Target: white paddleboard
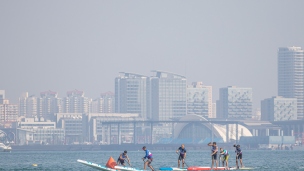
{"points": [[95, 166], [125, 168]]}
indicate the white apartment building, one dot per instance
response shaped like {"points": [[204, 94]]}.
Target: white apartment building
{"points": [[27, 105], [8, 113], [279, 109], [235, 103], [199, 99], [104, 104], [75, 102], [48, 104]]}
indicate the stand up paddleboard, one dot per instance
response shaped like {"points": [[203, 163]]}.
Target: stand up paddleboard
{"points": [[243, 168], [125, 168], [198, 168], [173, 168], [110, 166], [95, 166]]}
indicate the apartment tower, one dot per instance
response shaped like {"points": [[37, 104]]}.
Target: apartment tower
{"points": [[291, 75]]}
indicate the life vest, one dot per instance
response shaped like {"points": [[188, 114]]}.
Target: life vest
{"points": [[213, 149], [182, 151]]}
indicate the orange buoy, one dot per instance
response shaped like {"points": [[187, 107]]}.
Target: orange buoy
{"points": [[111, 163]]}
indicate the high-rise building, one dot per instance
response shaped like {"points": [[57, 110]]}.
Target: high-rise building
{"points": [[108, 104], [279, 109], [75, 102], [199, 99], [104, 104], [234, 102], [2, 96], [168, 96], [22, 104], [213, 110], [27, 105], [48, 104], [8, 113], [96, 105], [291, 75], [132, 94]]}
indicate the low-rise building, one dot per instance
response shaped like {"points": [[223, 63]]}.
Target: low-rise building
{"points": [[279, 109], [33, 131]]}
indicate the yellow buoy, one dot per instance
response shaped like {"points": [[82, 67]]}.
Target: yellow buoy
{"points": [[35, 164]]}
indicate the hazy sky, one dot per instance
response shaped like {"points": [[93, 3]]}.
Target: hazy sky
{"points": [[67, 45]]}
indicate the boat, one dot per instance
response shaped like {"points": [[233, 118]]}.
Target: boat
{"points": [[173, 168], [5, 148], [95, 166]]}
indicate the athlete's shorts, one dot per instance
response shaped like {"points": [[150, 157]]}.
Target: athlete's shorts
{"points": [[239, 156], [214, 156], [122, 161], [150, 160], [181, 156], [225, 157]]}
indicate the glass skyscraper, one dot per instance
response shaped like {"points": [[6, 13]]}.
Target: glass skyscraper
{"points": [[132, 94], [291, 75], [168, 96]]}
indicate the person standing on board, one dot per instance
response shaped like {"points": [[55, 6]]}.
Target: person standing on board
{"points": [[121, 159], [182, 155], [225, 157], [214, 150], [149, 157], [239, 155]]}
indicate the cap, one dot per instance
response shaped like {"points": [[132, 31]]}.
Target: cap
{"points": [[125, 151], [144, 147]]}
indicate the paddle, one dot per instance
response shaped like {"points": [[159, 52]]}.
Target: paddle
{"points": [[184, 161], [148, 164], [221, 160], [128, 163]]}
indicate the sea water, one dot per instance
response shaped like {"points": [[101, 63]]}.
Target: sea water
{"points": [[67, 160]]}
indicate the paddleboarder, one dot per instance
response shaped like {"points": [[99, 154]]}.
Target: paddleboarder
{"points": [[239, 155], [149, 157], [214, 150], [182, 155], [122, 157], [225, 154]]}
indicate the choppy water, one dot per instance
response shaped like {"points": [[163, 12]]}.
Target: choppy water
{"points": [[51, 161]]}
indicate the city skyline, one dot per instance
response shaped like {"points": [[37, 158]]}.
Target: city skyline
{"points": [[139, 76], [59, 47]]}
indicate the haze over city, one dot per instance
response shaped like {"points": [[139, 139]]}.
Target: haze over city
{"points": [[67, 45], [98, 84]]}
